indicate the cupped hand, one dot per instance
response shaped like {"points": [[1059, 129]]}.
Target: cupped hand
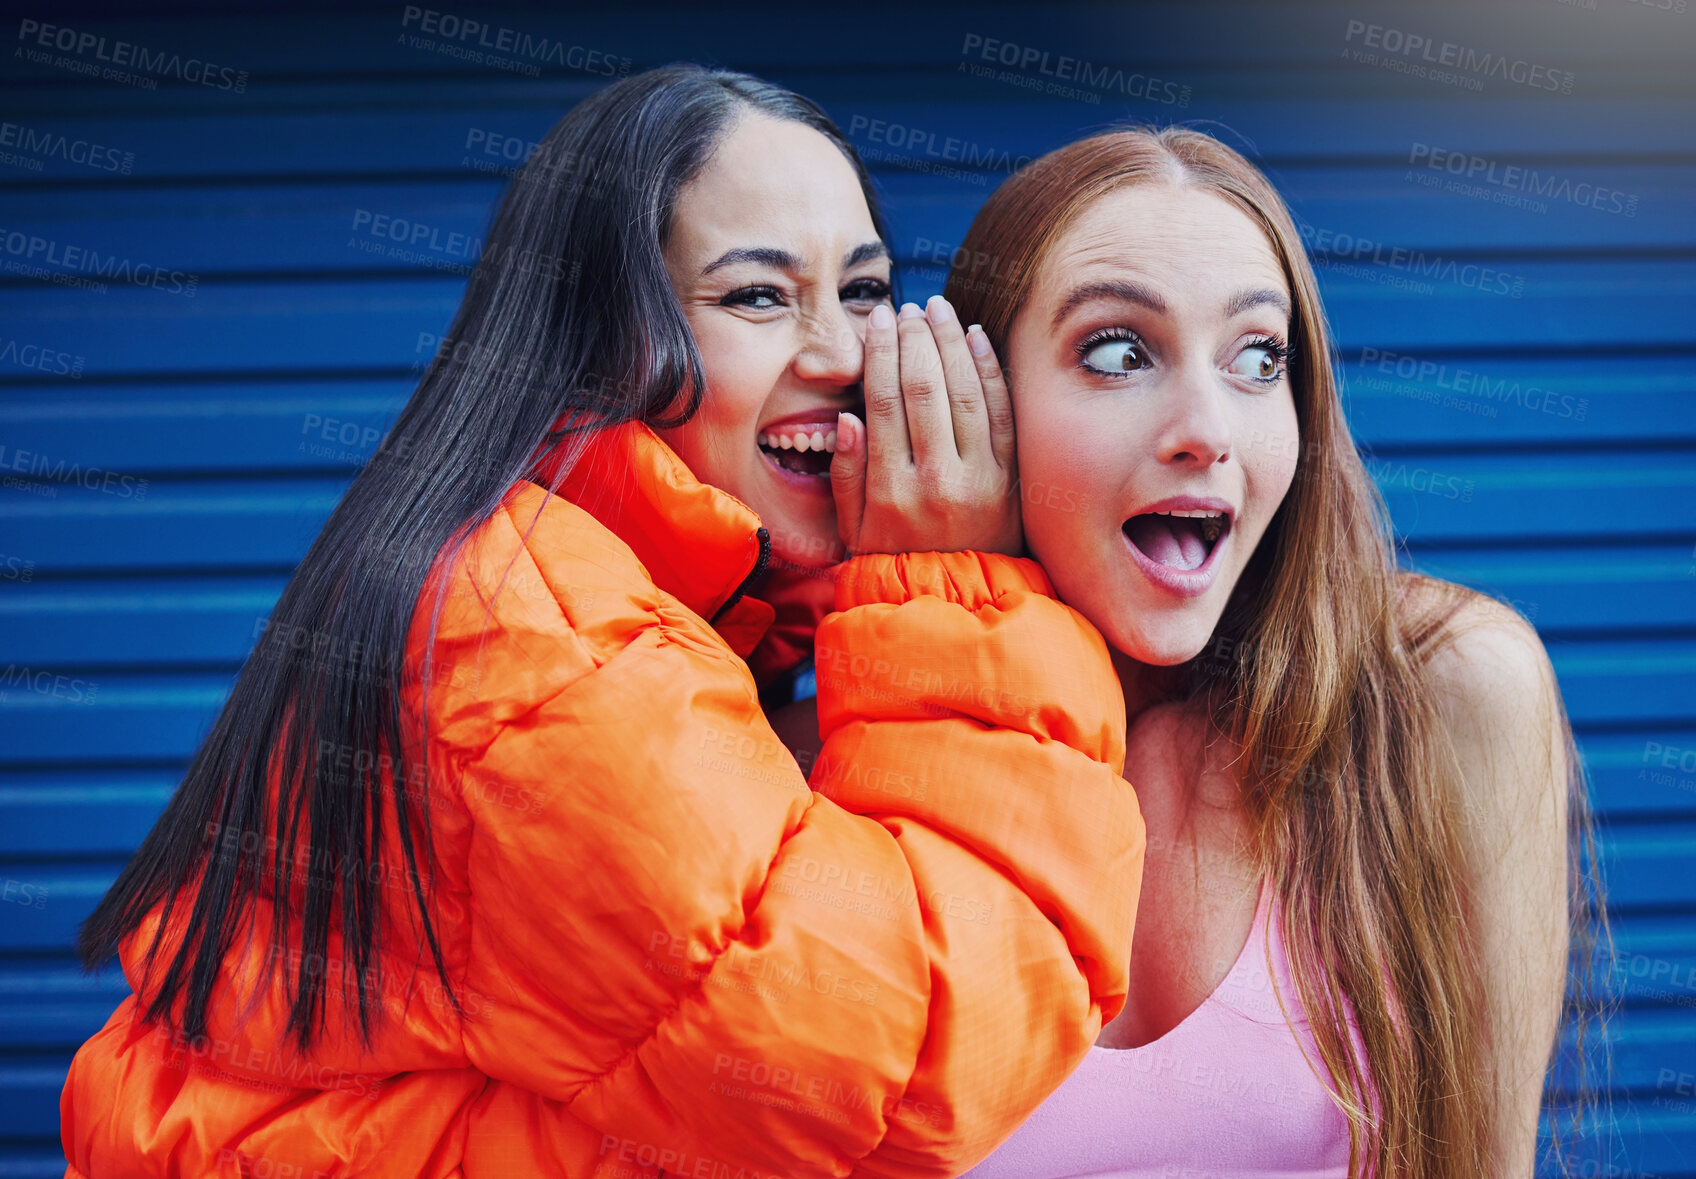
{"points": [[932, 467]]}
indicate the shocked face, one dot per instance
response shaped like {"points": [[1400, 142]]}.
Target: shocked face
{"points": [[1149, 382], [776, 262]]}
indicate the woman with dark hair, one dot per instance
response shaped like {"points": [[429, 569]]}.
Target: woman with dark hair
{"points": [[491, 864]]}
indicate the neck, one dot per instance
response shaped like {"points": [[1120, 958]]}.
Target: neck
{"points": [[1143, 684]]}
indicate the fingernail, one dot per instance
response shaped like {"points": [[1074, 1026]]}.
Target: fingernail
{"points": [[882, 316], [977, 341], [909, 310], [938, 310]]}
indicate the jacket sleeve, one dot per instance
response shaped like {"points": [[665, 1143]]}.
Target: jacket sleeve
{"points": [[688, 949], [979, 721]]}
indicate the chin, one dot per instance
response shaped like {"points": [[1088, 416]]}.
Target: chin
{"points": [[1164, 642], [1159, 656], [809, 547]]}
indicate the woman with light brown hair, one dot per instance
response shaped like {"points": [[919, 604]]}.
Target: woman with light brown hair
{"points": [[1359, 783]]}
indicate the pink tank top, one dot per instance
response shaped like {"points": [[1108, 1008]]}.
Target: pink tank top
{"points": [[1227, 1094]]}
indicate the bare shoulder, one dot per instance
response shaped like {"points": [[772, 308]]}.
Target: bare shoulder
{"points": [[1494, 687], [1487, 661]]}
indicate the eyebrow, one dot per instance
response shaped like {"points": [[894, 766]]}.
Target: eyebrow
{"points": [[864, 252], [783, 260], [1264, 297], [1125, 292], [1135, 292], [765, 255]]}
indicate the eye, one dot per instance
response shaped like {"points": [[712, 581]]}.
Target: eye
{"points": [[760, 298], [1263, 360], [865, 290], [1118, 353]]}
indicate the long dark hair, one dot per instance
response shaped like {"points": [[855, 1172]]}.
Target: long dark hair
{"points": [[568, 324]]}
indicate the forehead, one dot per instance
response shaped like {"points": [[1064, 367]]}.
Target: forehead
{"points": [[780, 182], [1182, 240]]}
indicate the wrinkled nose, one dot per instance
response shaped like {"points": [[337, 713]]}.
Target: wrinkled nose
{"points": [[833, 350]]}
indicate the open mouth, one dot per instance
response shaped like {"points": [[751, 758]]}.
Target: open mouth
{"points": [[1181, 538], [801, 450]]}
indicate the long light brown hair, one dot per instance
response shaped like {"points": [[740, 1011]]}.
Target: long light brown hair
{"points": [[1325, 688]]}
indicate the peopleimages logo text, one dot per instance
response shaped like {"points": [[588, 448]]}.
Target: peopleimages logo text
{"points": [[1517, 178], [55, 145], [1418, 47], [1330, 247], [137, 57], [468, 31], [1032, 59]]}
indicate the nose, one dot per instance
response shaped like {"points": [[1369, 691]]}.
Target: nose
{"points": [[1196, 430], [833, 349]]}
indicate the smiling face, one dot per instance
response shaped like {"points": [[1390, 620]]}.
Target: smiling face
{"points": [[1148, 380], [776, 262]]}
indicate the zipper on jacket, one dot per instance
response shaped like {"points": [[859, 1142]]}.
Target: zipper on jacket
{"points": [[748, 581]]}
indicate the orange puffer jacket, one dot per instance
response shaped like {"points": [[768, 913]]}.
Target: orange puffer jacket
{"points": [[673, 956]]}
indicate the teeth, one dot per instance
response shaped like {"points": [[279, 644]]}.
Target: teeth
{"points": [[1213, 525], [800, 440]]}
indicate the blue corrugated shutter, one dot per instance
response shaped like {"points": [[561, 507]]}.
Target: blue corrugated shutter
{"points": [[278, 243]]}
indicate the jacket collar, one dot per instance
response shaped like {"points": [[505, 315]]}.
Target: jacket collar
{"points": [[701, 545]]}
